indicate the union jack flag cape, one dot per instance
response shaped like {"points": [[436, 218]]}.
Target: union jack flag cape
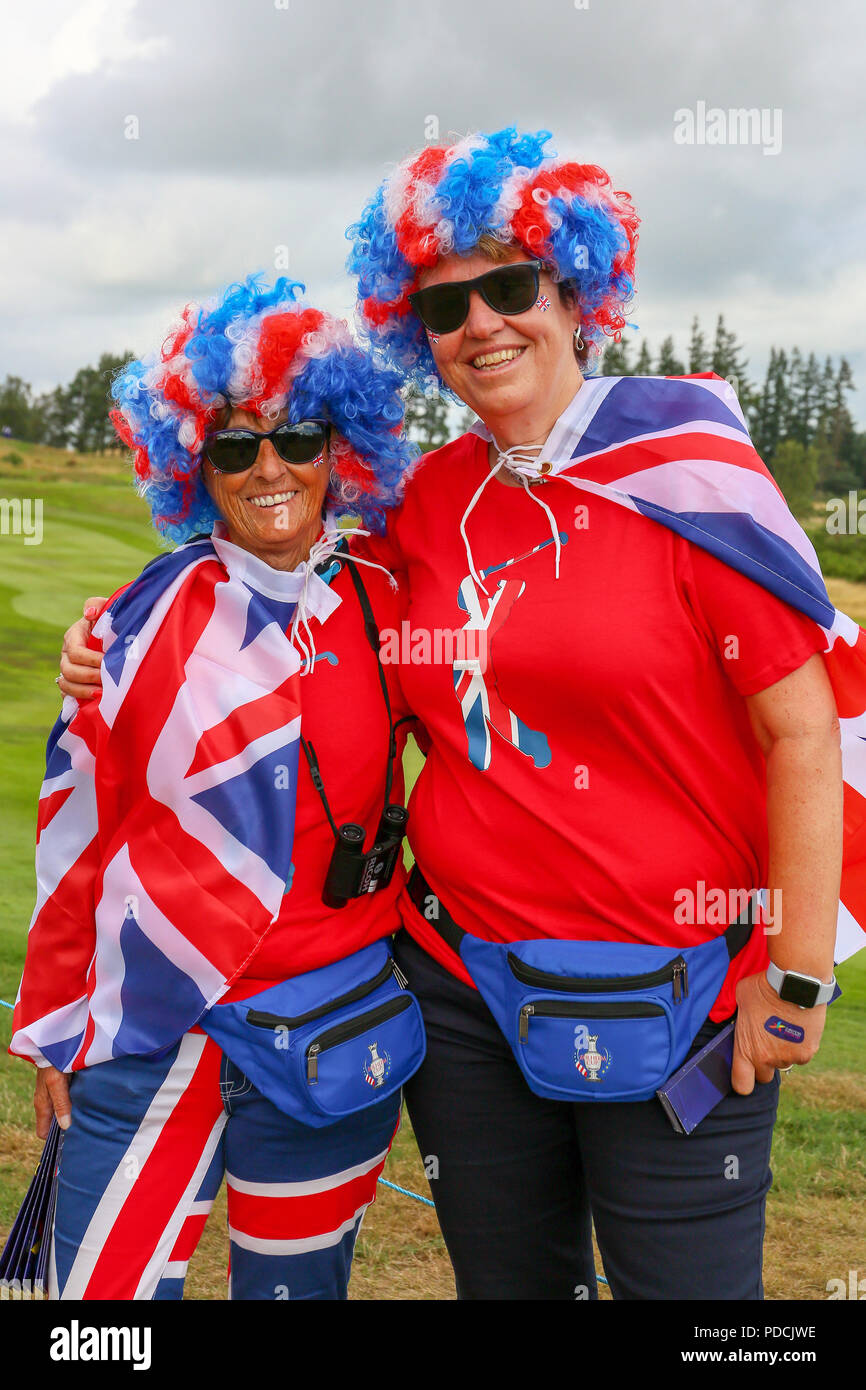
{"points": [[677, 449], [166, 817]]}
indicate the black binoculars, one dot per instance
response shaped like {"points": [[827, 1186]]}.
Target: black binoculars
{"points": [[351, 872]]}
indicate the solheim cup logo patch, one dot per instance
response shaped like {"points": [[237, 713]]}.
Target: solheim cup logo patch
{"points": [[377, 1068], [591, 1060]]}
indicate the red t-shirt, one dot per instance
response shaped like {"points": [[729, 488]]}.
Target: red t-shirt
{"points": [[343, 716], [623, 773]]}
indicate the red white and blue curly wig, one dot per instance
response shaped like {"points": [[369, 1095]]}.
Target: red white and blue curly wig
{"points": [[258, 348], [443, 200]]}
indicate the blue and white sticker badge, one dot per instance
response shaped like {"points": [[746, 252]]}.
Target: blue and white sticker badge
{"points": [[591, 1060], [376, 1069], [781, 1028]]}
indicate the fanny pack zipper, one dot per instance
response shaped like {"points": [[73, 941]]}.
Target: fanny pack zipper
{"points": [[555, 1008], [263, 1020], [675, 972], [350, 1028]]}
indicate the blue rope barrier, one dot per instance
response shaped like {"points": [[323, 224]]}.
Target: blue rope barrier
{"points": [[406, 1193], [5, 1005]]}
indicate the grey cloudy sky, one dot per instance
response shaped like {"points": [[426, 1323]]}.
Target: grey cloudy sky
{"points": [[266, 123]]}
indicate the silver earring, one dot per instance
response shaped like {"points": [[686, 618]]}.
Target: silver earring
{"points": [[578, 340]]}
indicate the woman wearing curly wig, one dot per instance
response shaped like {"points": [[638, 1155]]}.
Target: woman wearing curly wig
{"points": [[215, 1015], [631, 728]]}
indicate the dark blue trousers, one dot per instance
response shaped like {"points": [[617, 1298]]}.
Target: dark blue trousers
{"points": [[518, 1181]]}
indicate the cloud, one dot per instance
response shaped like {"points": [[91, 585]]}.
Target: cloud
{"points": [[263, 125]]}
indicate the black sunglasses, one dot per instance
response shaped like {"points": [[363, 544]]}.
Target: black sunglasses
{"points": [[509, 289], [233, 451]]}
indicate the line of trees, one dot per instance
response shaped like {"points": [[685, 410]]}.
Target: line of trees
{"points": [[798, 415], [69, 417]]}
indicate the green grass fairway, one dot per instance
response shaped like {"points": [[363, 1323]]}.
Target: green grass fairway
{"points": [[97, 535]]}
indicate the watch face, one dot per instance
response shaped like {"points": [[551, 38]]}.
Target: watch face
{"points": [[799, 989]]}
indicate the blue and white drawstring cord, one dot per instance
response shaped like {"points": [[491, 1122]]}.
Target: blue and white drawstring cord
{"points": [[321, 551], [521, 462]]}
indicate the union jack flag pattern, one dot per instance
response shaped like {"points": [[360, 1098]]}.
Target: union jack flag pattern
{"points": [[166, 815], [134, 1195], [475, 682], [677, 449]]}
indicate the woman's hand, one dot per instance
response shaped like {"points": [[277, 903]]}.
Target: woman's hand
{"points": [[79, 666], [758, 1053], [51, 1098]]}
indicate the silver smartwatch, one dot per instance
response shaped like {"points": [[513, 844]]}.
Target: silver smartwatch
{"points": [[803, 990]]}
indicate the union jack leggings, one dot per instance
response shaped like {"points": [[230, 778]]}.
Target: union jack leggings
{"points": [[143, 1160]]}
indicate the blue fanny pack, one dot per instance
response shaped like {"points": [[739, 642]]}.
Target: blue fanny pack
{"points": [[329, 1042], [592, 1020]]}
